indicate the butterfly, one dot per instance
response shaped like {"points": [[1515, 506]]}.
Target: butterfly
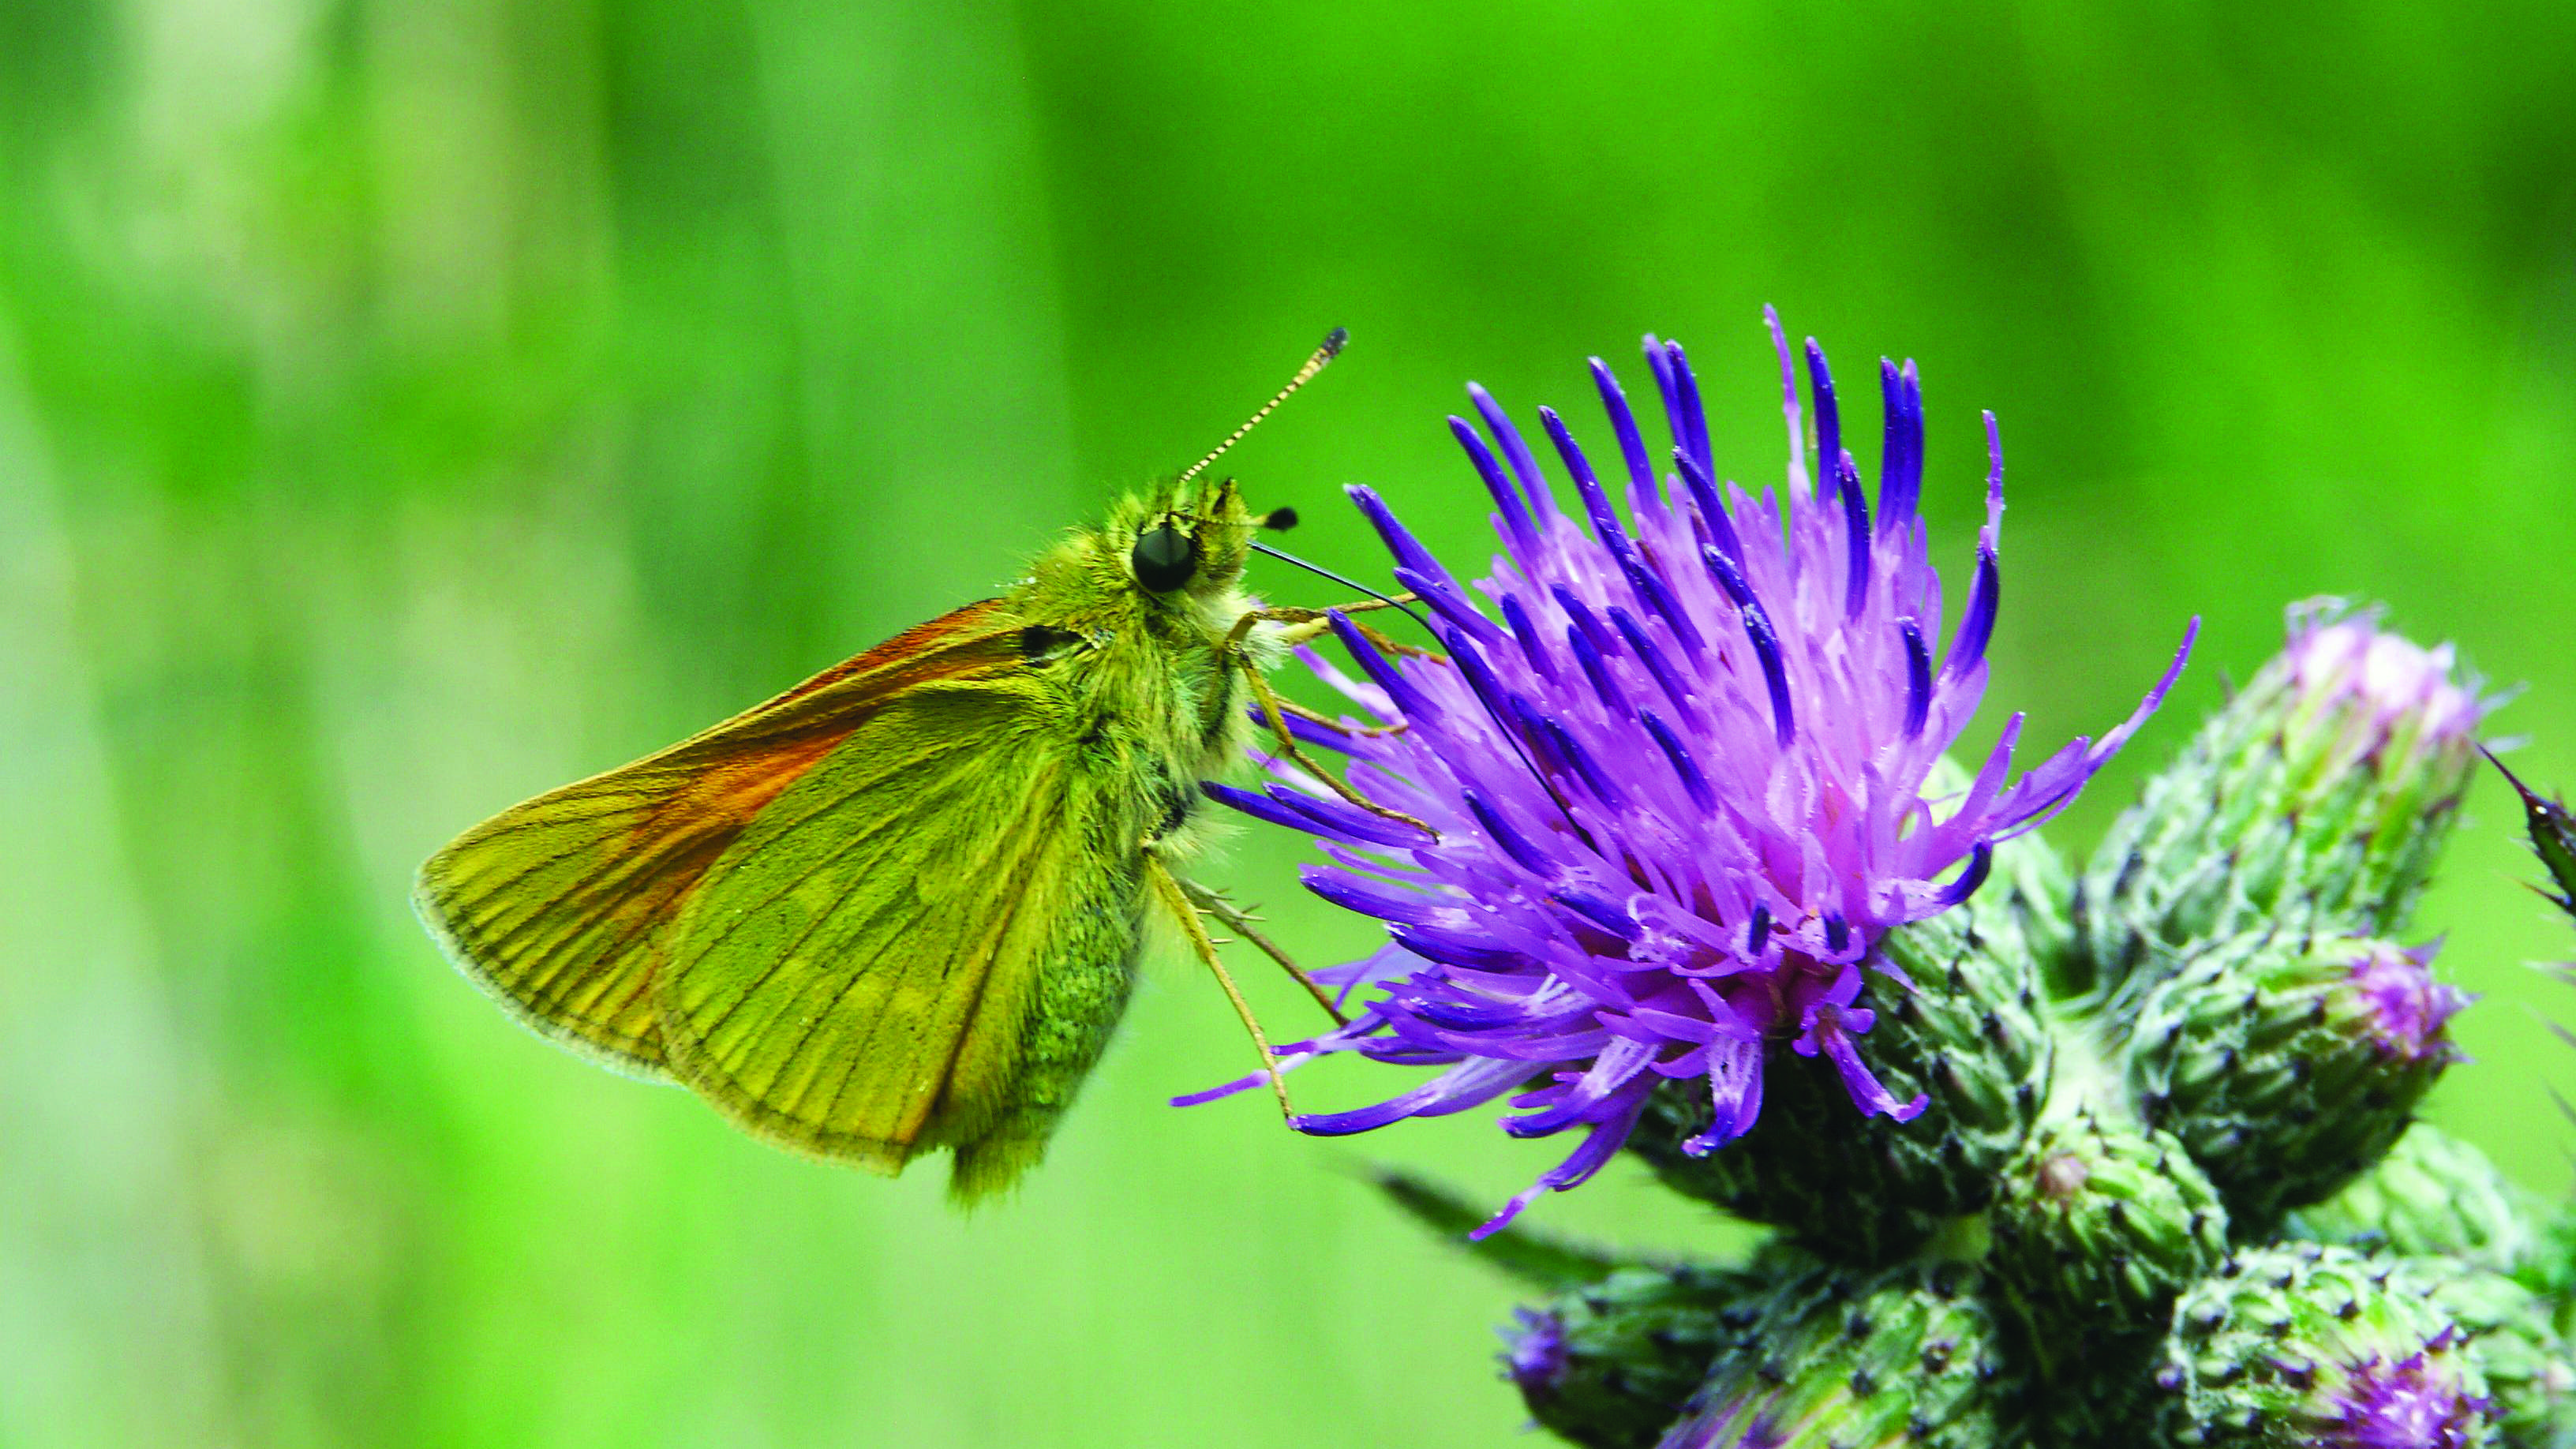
{"points": [[898, 908]]}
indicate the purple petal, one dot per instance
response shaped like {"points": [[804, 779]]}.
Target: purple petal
{"points": [[1632, 447], [1507, 501], [1605, 1140], [1699, 483], [1856, 549], [1515, 452], [1766, 646], [1900, 480], [1735, 1093], [1596, 503], [1525, 633], [1867, 1092], [1409, 552], [1829, 422], [1978, 624], [1505, 835], [1694, 782], [1467, 1085]]}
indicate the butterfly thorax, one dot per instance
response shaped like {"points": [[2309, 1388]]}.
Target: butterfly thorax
{"points": [[1148, 679]]}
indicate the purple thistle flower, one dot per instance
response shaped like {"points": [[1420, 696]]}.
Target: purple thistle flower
{"points": [[2409, 1404], [1682, 768], [2384, 692], [1534, 1353]]}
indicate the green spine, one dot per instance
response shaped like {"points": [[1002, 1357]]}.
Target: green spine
{"points": [[2553, 839]]}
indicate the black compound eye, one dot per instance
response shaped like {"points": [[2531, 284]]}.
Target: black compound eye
{"points": [[1163, 558]]}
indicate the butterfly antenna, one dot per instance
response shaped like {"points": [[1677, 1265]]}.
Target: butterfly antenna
{"points": [[1332, 348], [1510, 736]]}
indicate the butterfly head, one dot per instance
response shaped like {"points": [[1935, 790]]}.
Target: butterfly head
{"points": [[1187, 539]]}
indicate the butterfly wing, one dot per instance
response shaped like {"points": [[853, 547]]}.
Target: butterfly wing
{"points": [[924, 942], [561, 907]]}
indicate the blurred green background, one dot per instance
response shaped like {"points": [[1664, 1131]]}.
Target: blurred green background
{"points": [[405, 407]]}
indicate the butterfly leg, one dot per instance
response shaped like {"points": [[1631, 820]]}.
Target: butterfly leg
{"points": [[1240, 923], [1301, 625], [1176, 899], [1271, 704], [1294, 710], [1269, 701]]}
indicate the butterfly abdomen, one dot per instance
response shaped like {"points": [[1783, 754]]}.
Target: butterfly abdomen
{"points": [[1148, 763], [1080, 996]]}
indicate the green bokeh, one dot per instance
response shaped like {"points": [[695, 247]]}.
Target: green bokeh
{"points": [[408, 406]]}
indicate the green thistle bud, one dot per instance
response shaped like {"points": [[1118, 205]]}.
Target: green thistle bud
{"points": [[2528, 1365], [2304, 1345], [2098, 1226], [1968, 1034], [1608, 1365], [1909, 1358], [2288, 1065], [2319, 797], [2431, 1194]]}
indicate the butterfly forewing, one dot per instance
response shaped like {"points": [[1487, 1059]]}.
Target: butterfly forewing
{"points": [[560, 907]]}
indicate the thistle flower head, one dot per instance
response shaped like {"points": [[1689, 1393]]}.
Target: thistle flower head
{"points": [[2405, 1007], [2381, 691], [1681, 766], [1534, 1353], [2411, 1403]]}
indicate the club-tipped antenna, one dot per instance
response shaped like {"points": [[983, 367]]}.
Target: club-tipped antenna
{"points": [[1332, 348]]}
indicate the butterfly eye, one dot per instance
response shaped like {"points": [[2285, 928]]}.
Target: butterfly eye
{"points": [[1163, 558]]}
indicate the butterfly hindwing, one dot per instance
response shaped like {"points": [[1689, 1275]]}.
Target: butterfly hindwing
{"points": [[863, 974], [560, 906]]}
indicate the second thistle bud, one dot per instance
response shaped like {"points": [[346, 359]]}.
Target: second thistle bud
{"points": [[1908, 1358], [2287, 1066], [2098, 1226], [2319, 797], [1607, 1365], [2432, 1193], [2305, 1345]]}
